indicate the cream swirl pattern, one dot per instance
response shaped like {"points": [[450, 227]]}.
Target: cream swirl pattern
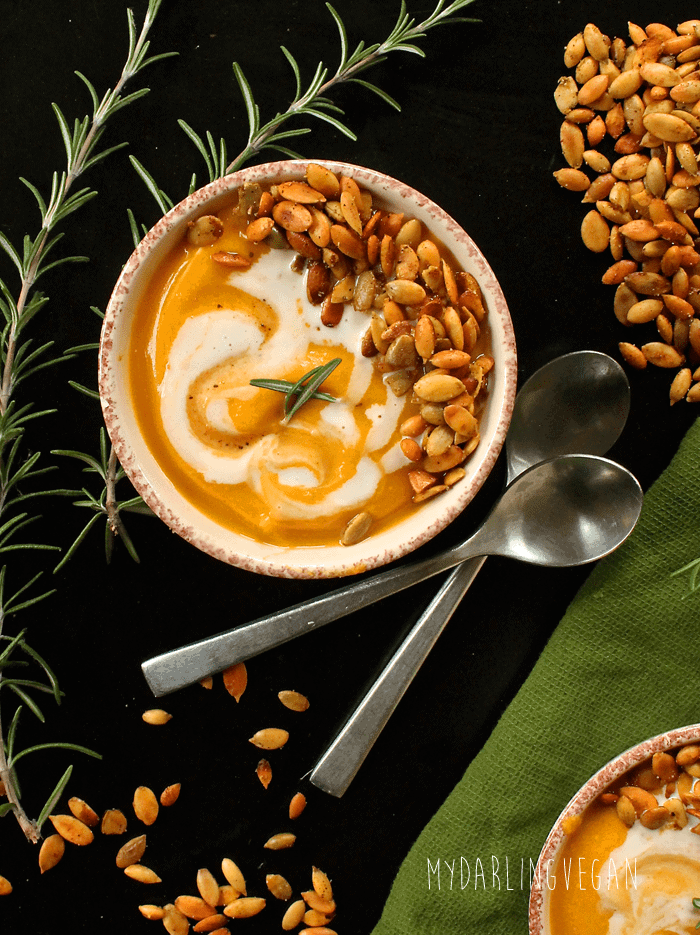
{"points": [[332, 456]]}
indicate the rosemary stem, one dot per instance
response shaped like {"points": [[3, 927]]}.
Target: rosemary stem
{"points": [[29, 827], [113, 518]]}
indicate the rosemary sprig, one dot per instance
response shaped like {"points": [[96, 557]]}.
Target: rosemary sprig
{"points": [[19, 361], [305, 388], [313, 102]]}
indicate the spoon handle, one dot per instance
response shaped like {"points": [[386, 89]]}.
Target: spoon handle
{"points": [[188, 664], [337, 767]]}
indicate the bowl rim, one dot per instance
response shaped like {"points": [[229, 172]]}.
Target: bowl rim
{"points": [[272, 560], [589, 791]]}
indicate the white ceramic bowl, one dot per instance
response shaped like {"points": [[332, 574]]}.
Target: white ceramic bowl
{"points": [[608, 774], [178, 513]]}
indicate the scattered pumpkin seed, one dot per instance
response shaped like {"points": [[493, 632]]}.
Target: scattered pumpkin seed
{"points": [[293, 700], [170, 794], [297, 805], [72, 829], [280, 841], [145, 805], [294, 915], [236, 680], [234, 876], [264, 772], [52, 850], [113, 822], [278, 886], [154, 913], [207, 886], [142, 874], [156, 716], [131, 852], [270, 738], [82, 811]]}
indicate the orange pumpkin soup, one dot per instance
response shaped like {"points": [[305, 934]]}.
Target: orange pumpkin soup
{"points": [[631, 864], [229, 306]]}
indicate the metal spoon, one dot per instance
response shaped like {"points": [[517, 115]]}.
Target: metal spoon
{"points": [[593, 391], [554, 414], [567, 511]]}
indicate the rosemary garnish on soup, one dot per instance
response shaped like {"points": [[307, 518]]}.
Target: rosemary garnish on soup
{"points": [[305, 388]]}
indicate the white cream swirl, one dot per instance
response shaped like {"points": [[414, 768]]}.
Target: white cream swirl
{"points": [[650, 880], [295, 471]]}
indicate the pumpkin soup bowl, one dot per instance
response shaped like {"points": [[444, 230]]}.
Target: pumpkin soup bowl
{"points": [[549, 869], [124, 398]]}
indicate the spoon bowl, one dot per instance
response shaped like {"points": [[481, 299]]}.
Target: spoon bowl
{"points": [[567, 511], [578, 402]]}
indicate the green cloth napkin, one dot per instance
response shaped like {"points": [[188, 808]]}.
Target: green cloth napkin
{"points": [[619, 668]]}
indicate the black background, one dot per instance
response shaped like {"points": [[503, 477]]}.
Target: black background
{"points": [[478, 134]]}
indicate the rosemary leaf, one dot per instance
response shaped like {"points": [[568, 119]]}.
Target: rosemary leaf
{"points": [[314, 112], [91, 89], [305, 388], [85, 390], [54, 797], [27, 683], [126, 539], [29, 701], [11, 252], [135, 235], [32, 653], [54, 492], [77, 541], [310, 388], [296, 388], [392, 102], [136, 503], [199, 143], [280, 386], [92, 463], [694, 569], [295, 68], [93, 346], [13, 642], [12, 732], [28, 603], [37, 194], [37, 546], [290, 153], [164, 203], [56, 746]]}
